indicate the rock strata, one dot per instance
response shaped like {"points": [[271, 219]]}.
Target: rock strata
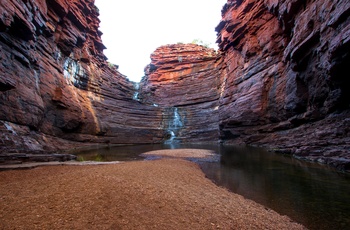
{"points": [[57, 90], [278, 80], [184, 80], [285, 85]]}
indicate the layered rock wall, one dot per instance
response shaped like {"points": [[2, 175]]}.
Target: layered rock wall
{"points": [[279, 80], [56, 87], [184, 80], [286, 85]]}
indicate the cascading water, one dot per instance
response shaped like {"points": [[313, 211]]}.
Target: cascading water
{"points": [[136, 93], [174, 125], [172, 136], [177, 123]]}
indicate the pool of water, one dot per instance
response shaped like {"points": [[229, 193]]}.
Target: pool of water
{"points": [[311, 194]]}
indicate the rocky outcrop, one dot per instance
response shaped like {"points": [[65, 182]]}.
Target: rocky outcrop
{"points": [[279, 81], [286, 86], [184, 80], [57, 90]]}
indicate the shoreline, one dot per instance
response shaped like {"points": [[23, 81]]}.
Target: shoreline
{"points": [[168, 193]]}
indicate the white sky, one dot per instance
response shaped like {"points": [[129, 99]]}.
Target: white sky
{"points": [[132, 30]]}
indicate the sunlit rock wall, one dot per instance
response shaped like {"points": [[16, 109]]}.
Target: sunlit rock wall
{"points": [[279, 80], [185, 81], [286, 83], [56, 88]]}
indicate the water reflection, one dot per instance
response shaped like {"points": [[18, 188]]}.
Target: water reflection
{"points": [[311, 194], [117, 153]]}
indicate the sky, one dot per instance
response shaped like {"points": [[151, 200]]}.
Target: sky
{"points": [[132, 30]]}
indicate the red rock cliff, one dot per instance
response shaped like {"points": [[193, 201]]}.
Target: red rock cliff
{"points": [[56, 88], [184, 80], [278, 81], [286, 85]]}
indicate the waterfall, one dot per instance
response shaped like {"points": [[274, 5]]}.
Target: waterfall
{"points": [[136, 93], [136, 96], [174, 125], [176, 120], [172, 136]]}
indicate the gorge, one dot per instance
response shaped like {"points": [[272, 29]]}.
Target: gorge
{"points": [[278, 81]]}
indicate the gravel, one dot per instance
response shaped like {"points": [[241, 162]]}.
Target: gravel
{"points": [[167, 194]]}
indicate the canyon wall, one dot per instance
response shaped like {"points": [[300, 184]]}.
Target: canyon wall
{"points": [[286, 85], [184, 80], [57, 90], [278, 80]]}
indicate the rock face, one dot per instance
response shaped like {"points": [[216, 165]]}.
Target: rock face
{"points": [[56, 87], [278, 80], [184, 80], [286, 85]]}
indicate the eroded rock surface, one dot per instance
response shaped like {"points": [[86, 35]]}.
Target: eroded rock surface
{"points": [[286, 85], [184, 80], [57, 90], [278, 80]]}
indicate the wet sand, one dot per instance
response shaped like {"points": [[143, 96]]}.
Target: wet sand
{"points": [[161, 194], [181, 153]]}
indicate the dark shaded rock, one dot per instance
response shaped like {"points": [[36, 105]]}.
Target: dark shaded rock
{"points": [[19, 158], [286, 87], [56, 87], [279, 80]]}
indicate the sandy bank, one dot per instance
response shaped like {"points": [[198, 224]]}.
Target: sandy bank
{"points": [[181, 153], [160, 194]]}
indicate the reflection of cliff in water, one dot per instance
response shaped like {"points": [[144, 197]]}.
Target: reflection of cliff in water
{"points": [[310, 194]]}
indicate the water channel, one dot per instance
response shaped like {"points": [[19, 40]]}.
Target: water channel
{"points": [[311, 194]]}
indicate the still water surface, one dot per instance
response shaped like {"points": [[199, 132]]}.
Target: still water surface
{"points": [[311, 194]]}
